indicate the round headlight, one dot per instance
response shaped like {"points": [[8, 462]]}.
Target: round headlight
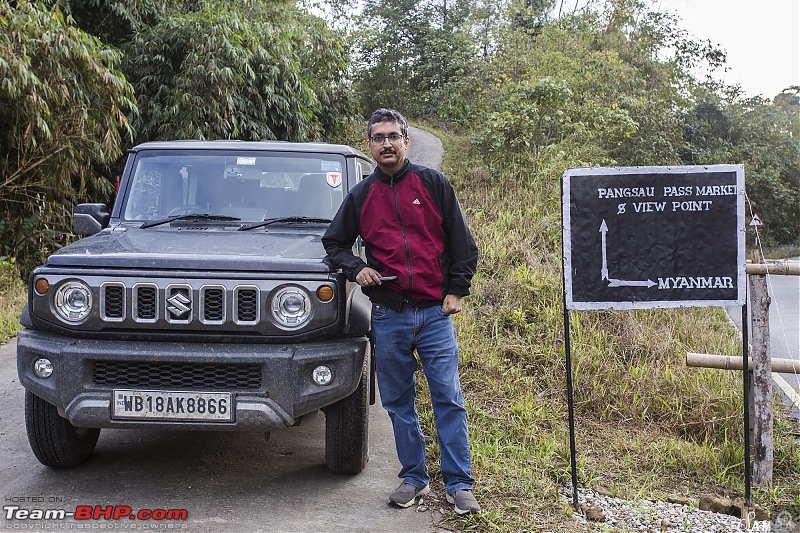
{"points": [[291, 307], [73, 301]]}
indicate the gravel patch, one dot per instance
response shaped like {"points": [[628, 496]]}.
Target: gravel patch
{"points": [[606, 513]]}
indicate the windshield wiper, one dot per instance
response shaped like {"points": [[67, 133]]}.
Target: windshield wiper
{"points": [[193, 216], [269, 221]]}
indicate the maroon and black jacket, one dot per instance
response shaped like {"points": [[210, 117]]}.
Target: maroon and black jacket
{"points": [[412, 227]]}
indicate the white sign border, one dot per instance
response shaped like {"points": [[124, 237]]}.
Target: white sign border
{"points": [[566, 235]]}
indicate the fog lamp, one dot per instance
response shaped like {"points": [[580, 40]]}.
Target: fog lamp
{"points": [[43, 368], [322, 375]]}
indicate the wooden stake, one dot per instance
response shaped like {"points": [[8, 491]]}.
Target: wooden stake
{"points": [[761, 383]]}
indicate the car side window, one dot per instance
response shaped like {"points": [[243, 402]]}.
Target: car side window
{"points": [[363, 169]]}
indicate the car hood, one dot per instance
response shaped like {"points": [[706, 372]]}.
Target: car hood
{"points": [[297, 247]]}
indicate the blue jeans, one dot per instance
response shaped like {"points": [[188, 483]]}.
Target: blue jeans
{"points": [[430, 331]]}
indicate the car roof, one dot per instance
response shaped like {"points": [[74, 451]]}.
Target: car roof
{"points": [[265, 146]]}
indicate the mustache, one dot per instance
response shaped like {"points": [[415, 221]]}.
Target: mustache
{"points": [[388, 151]]}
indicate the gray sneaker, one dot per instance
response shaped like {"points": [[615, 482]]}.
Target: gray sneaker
{"points": [[406, 493], [464, 501]]}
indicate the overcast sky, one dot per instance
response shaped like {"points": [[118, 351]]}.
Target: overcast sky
{"points": [[761, 38]]}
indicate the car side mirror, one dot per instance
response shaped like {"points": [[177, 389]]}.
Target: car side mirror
{"points": [[90, 218]]}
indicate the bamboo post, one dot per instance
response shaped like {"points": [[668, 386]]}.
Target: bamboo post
{"points": [[780, 268], [732, 362], [761, 383]]}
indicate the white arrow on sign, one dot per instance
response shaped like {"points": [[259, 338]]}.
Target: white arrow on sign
{"points": [[623, 283], [612, 282], [604, 269]]}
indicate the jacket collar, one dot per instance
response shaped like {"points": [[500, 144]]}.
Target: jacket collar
{"points": [[398, 176]]}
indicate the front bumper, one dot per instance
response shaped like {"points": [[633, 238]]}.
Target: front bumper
{"points": [[277, 398]]}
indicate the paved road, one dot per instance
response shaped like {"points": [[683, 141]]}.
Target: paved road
{"points": [[784, 323], [226, 481], [424, 148]]}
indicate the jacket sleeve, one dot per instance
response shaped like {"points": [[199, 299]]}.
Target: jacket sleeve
{"points": [[340, 237], [460, 246]]}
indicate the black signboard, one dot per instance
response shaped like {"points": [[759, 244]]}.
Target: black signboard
{"points": [[645, 237]]}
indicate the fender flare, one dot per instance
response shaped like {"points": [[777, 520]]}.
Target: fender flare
{"points": [[358, 314]]}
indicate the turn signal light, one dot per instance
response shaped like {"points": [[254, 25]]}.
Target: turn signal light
{"points": [[42, 286], [325, 293]]}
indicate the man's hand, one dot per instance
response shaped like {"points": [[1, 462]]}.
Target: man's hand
{"points": [[368, 277], [452, 304]]}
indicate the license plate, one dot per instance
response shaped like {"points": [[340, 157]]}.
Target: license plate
{"points": [[170, 405]]}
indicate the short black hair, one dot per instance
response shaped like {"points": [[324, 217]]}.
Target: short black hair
{"points": [[387, 115]]}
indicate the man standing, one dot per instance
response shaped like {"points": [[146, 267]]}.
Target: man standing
{"points": [[420, 261]]}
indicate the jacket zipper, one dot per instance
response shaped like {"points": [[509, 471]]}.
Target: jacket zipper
{"points": [[402, 232]]}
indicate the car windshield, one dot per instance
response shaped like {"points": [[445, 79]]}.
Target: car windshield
{"points": [[251, 186]]}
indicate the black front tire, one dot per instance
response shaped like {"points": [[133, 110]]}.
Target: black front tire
{"points": [[54, 441], [347, 428]]}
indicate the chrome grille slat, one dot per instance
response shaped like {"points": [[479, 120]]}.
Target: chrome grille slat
{"points": [[246, 304], [112, 301], [212, 304], [145, 302]]}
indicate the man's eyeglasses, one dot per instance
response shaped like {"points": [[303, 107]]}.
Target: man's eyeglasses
{"points": [[394, 138]]}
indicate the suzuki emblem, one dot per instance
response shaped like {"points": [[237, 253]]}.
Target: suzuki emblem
{"points": [[179, 305]]}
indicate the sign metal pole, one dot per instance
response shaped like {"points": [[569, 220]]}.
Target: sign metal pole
{"points": [[571, 408]]}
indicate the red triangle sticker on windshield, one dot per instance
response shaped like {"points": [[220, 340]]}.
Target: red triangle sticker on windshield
{"points": [[334, 179]]}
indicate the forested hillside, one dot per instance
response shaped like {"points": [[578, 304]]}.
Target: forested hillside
{"points": [[519, 90], [534, 85]]}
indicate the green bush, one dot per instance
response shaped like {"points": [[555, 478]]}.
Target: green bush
{"points": [[13, 295]]}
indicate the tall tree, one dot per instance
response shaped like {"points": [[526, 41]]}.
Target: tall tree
{"points": [[411, 51], [63, 115], [762, 136], [265, 69], [626, 69]]}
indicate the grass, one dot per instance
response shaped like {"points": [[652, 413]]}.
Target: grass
{"points": [[647, 426], [782, 252], [13, 295]]}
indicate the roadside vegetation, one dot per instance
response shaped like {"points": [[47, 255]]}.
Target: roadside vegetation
{"points": [[13, 295], [647, 425], [782, 252], [519, 91]]}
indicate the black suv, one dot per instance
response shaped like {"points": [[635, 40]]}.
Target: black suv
{"points": [[203, 300]]}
